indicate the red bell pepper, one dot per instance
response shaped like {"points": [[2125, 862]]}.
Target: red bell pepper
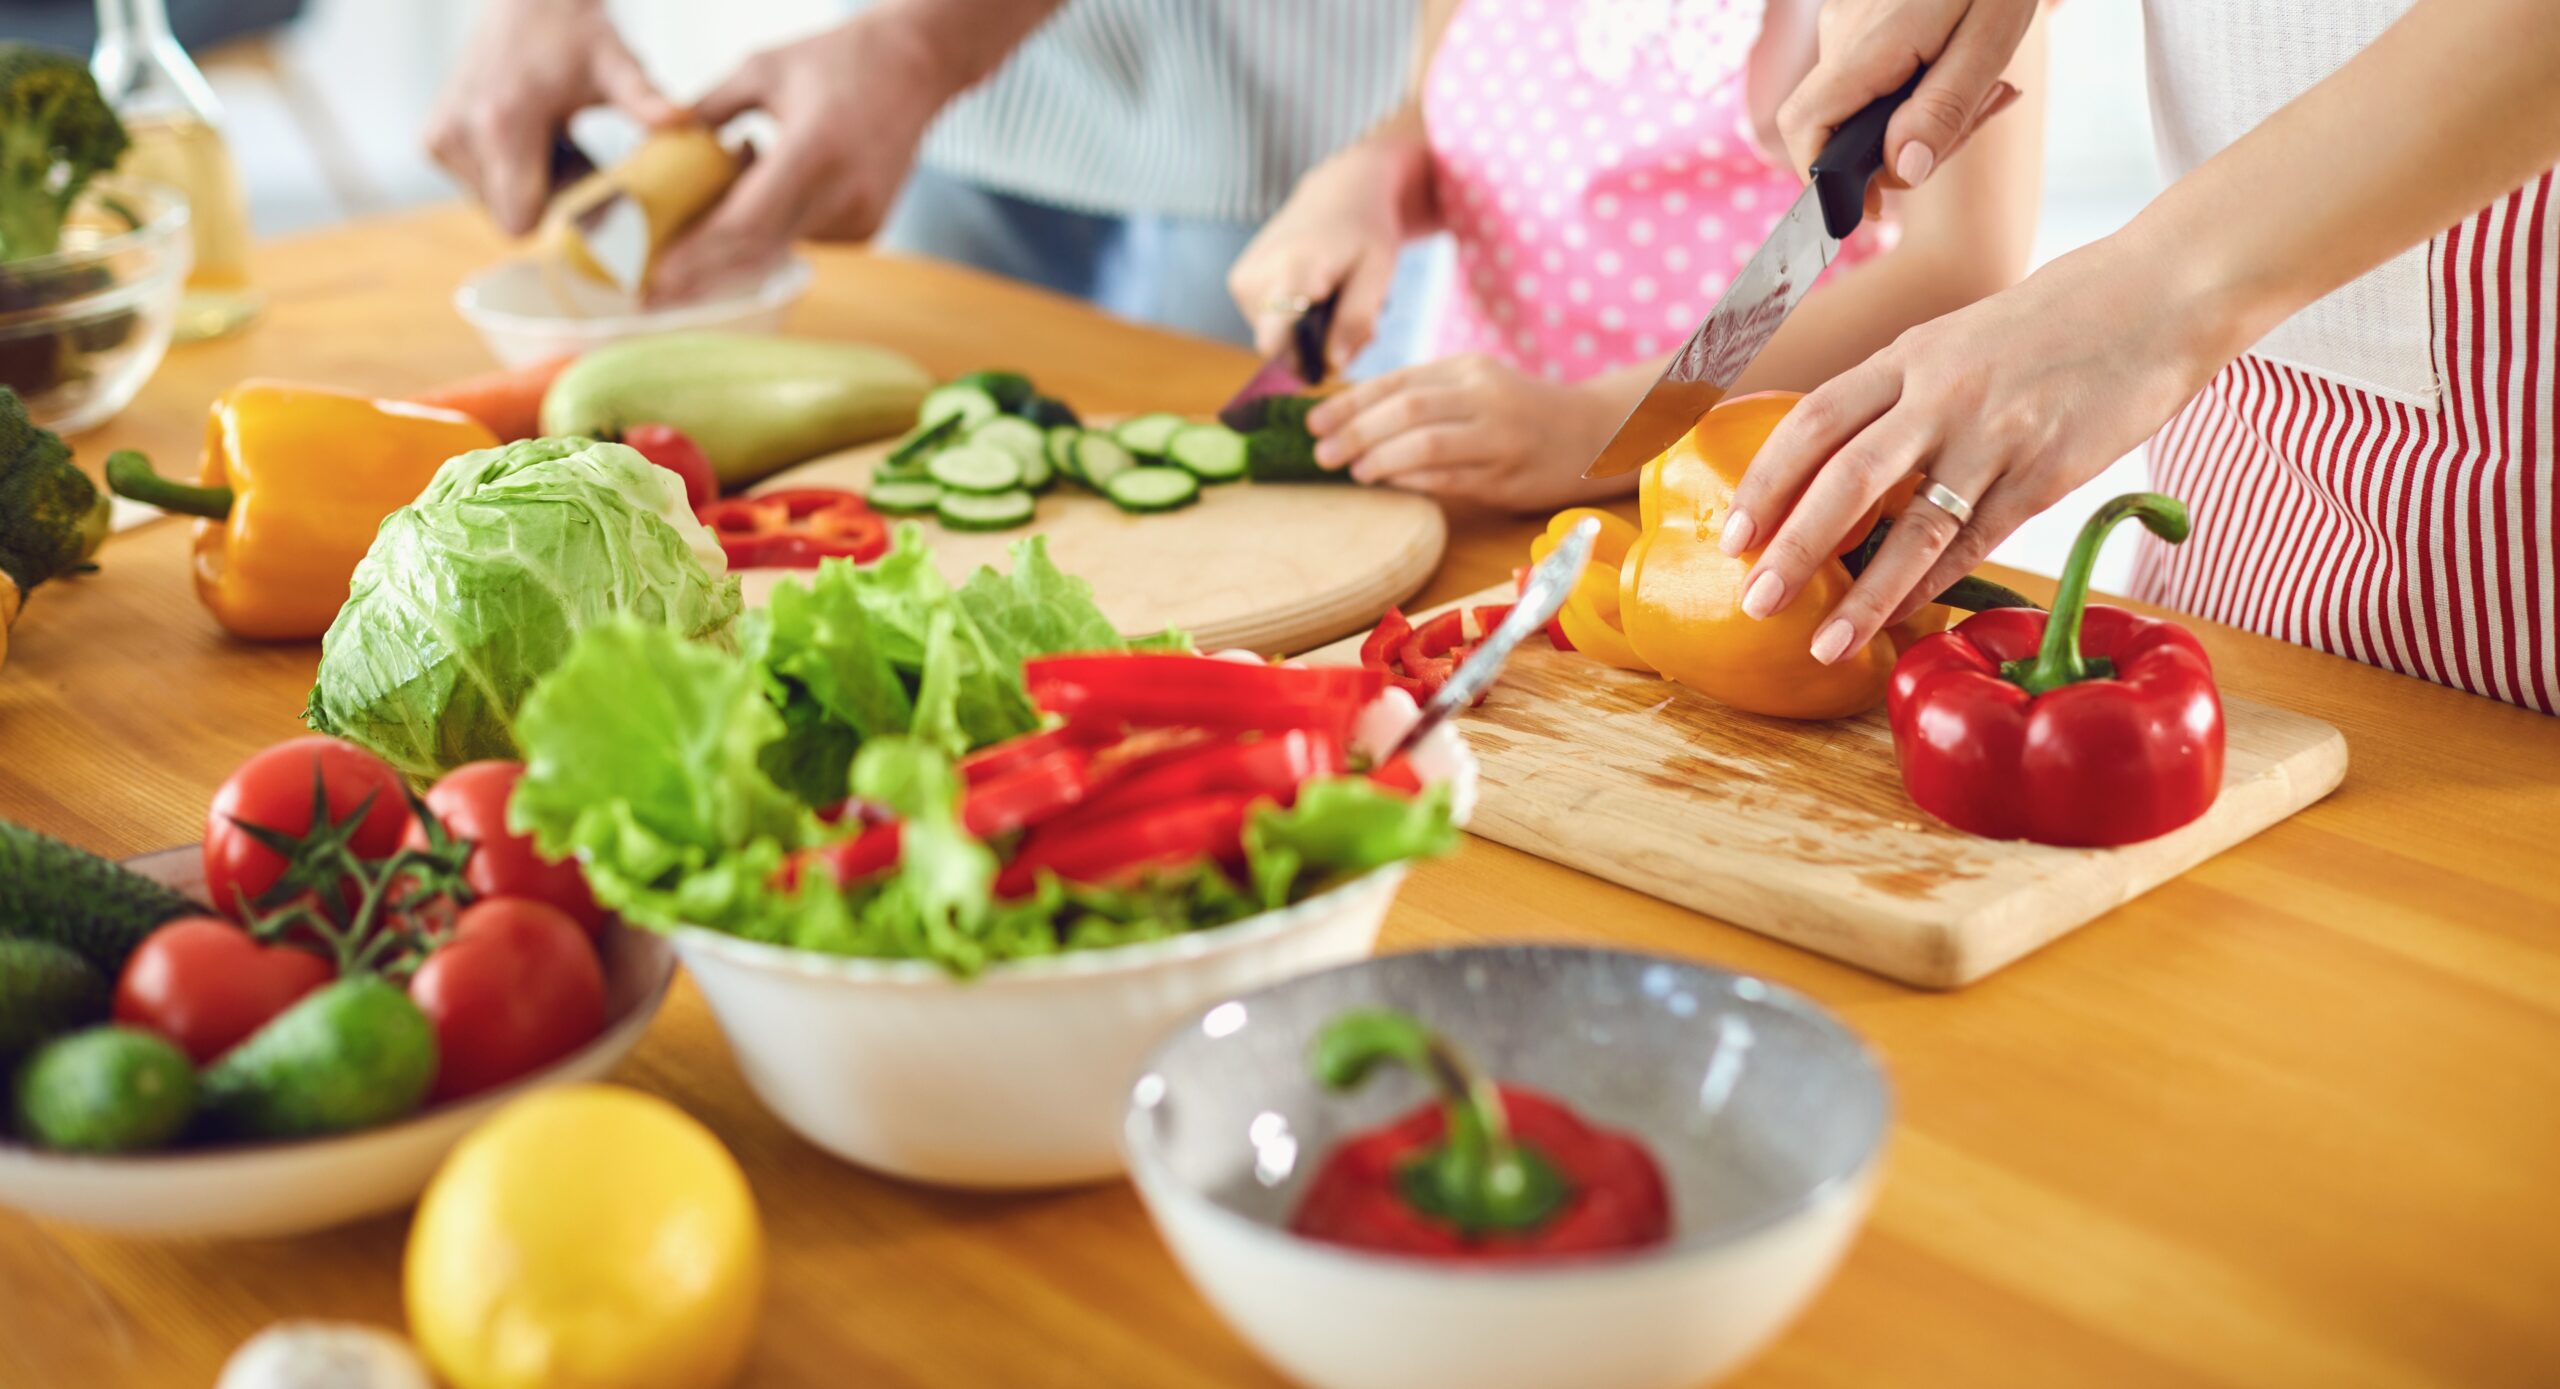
{"points": [[1419, 660], [1489, 1173], [1120, 848], [1271, 767], [1038, 789], [1398, 774], [848, 861], [1555, 625], [2090, 726], [1013, 754], [796, 528], [1105, 695]]}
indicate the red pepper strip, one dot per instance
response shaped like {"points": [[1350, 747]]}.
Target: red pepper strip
{"points": [[796, 528], [1098, 694], [1115, 850], [1398, 774], [1273, 768], [1039, 790], [1555, 625], [2090, 726], [1013, 754], [848, 861], [1378, 651]]}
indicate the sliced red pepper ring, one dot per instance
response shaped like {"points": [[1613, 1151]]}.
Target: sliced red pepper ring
{"points": [[1121, 848], [796, 528]]}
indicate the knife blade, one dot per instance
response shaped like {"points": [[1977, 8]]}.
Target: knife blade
{"points": [[1757, 303], [1539, 598], [1297, 366]]}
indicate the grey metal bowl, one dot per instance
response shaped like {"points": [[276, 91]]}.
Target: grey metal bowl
{"points": [[1766, 1114]]}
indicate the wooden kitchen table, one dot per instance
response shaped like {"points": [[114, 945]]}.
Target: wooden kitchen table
{"points": [[2292, 1119]]}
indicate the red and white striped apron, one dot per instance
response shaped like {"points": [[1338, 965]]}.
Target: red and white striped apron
{"points": [[2377, 479]]}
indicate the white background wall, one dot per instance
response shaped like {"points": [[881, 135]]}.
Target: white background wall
{"points": [[373, 67]]}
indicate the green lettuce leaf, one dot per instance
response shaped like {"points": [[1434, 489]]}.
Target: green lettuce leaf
{"points": [[1340, 828], [471, 593], [1036, 610], [825, 662]]}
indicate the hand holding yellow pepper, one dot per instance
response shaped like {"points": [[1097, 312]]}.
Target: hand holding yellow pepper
{"points": [[294, 483]]}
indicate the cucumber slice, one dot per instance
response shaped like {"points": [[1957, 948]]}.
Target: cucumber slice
{"points": [[972, 468], [1213, 452], [1021, 438], [1049, 412], [985, 511], [1037, 473], [1062, 450], [921, 441], [1099, 458], [1147, 435], [1152, 488], [1011, 390], [968, 404], [904, 496]]}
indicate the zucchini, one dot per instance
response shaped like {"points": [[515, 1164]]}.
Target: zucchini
{"points": [[1010, 390], [985, 511], [1152, 488], [1147, 435], [1049, 412], [1212, 452], [1021, 438], [921, 441], [903, 496], [969, 405], [970, 468], [1100, 458], [95, 909]]}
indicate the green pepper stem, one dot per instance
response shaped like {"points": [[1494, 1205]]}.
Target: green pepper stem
{"points": [[129, 474], [1477, 1178], [2058, 661]]}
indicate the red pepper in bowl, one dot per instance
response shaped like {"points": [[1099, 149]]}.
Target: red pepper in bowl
{"points": [[796, 528], [1488, 1173], [2087, 726]]}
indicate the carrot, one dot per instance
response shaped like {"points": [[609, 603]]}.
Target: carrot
{"points": [[509, 401]]}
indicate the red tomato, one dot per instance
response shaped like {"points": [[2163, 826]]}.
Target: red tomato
{"points": [[273, 790], [205, 984], [516, 988], [670, 448], [471, 803]]}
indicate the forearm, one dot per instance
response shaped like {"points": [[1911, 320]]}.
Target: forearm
{"points": [[2452, 106]]}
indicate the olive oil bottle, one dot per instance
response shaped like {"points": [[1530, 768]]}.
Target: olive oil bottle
{"points": [[170, 113]]}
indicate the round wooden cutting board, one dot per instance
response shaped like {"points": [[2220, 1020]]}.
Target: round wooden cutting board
{"points": [[1270, 567]]}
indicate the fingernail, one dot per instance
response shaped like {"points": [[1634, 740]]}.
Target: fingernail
{"points": [[1914, 165], [1738, 529], [1761, 599], [1831, 642]]}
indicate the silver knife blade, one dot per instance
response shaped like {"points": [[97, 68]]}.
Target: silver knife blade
{"points": [[1536, 606], [616, 231], [1298, 366], [1753, 308]]}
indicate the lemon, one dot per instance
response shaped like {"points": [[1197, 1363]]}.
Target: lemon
{"points": [[586, 1237]]}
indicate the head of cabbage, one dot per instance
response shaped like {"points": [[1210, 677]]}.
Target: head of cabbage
{"points": [[474, 591]]}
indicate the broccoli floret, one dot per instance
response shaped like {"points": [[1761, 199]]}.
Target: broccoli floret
{"points": [[1278, 447], [56, 133], [52, 517]]}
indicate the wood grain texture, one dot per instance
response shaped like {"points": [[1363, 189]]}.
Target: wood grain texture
{"points": [[1266, 568], [2288, 1119], [1801, 830]]}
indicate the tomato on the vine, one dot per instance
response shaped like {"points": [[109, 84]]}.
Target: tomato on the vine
{"points": [[274, 791], [206, 984], [471, 803], [516, 987]]}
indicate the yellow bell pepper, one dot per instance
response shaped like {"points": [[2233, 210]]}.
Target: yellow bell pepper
{"points": [[1590, 616], [1681, 596], [294, 483]]}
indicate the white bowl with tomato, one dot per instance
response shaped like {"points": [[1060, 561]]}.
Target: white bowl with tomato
{"points": [[1655, 1168], [388, 972], [1013, 1076]]}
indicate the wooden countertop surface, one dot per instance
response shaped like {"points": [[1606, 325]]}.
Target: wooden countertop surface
{"points": [[2293, 1119]]}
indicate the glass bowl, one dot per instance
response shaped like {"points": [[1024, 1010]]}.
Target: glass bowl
{"points": [[83, 328]]}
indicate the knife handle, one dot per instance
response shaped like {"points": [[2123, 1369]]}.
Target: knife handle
{"points": [[1852, 156]]}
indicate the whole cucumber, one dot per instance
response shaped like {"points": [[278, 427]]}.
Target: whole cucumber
{"points": [[753, 404], [106, 1090], [347, 1056]]}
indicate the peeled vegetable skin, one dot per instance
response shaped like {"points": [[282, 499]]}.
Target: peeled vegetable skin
{"points": [[753, 404]]}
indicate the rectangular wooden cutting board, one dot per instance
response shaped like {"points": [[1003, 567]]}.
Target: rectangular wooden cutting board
{"points": [[1802, 831]]}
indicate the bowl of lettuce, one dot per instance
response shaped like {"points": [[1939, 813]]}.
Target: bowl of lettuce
{"points": [[919, 1022]]}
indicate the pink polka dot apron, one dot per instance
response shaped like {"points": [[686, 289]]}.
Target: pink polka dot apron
{"points": [[1594, 163], [2377, 478]]}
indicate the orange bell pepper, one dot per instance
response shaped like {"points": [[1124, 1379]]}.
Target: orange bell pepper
{"points": [[1591, 614], [1681, 596], [294, 483]]}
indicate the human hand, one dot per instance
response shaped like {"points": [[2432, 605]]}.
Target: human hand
{"points": [[849, 106], [2009, 404], [1341, 228], [1869, 48], [530, 65], [1473, 429]]}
